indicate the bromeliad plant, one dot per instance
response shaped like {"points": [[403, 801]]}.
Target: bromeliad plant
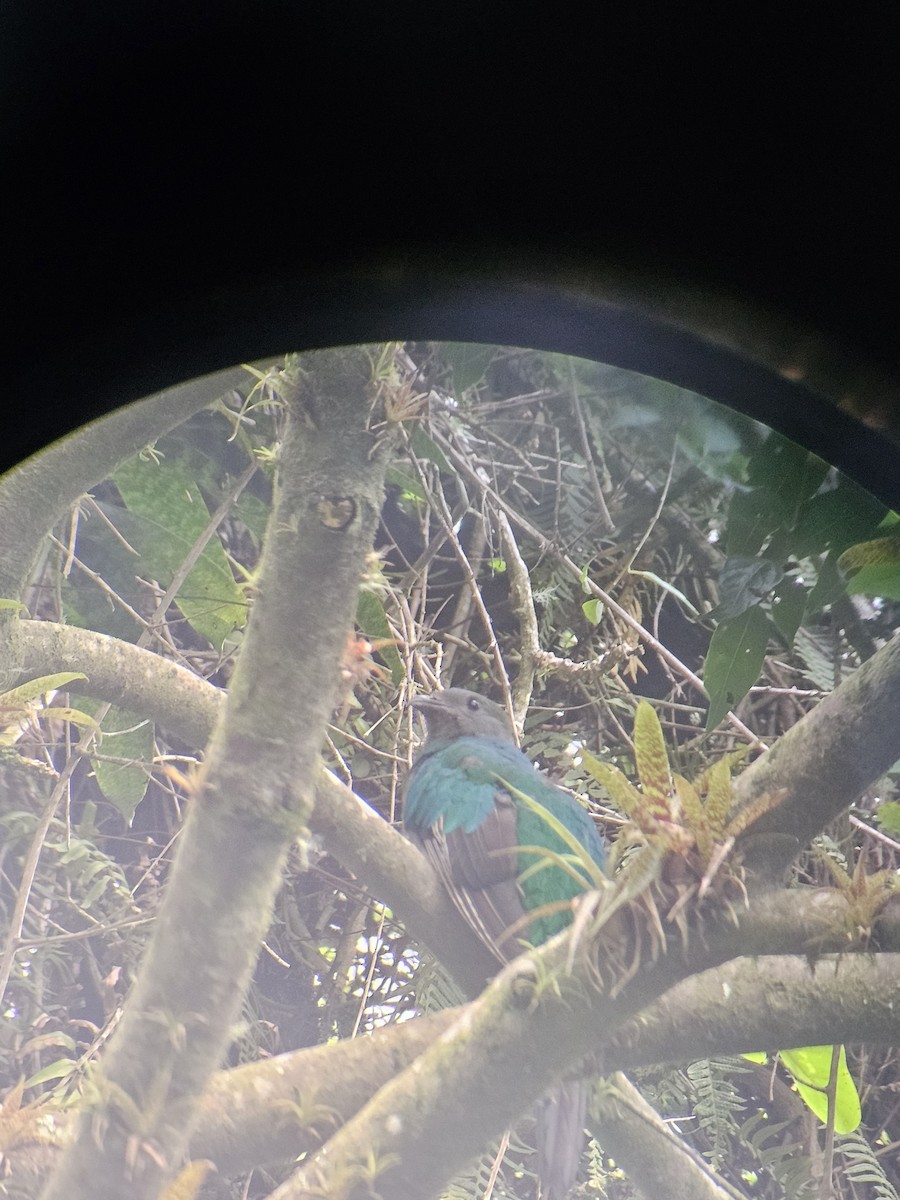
{"points": [[674, 819], [683, 830]]}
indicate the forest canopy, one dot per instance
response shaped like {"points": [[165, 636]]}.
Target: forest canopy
{"points": [[217, 946]]}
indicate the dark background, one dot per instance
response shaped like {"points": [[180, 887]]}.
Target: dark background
{"points": [[701, 195]]}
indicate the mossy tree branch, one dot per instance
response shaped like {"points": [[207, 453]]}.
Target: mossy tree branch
{"points": [[538, 1018], [825, 761], [256, 793]]}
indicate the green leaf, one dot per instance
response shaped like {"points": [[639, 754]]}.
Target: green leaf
{"points": [[426, 447], [751, 518], [876, 567], [127, 736], [371, 618], [788, 474], [406, 482], [788, 607], [734, 661], [743, 582], [172, 515], [783, 476], [468, 362], [593, 610], [888, 817], [829, 586], [61, 1069], [835, 520], [882, 580], [651, 759], [811, 1069], [21, 696], [880, 552]]}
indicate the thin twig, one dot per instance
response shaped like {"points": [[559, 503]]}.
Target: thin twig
{"points": [[605, 518], [523, 606], [547, 547], [12, 941]]}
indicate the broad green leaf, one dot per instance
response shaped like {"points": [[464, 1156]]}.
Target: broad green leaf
{"points": [[788, 607], [836, 519], [371, 619], [15, 604], [468, 362], [125, 736], [744, 582], [783, 476], [811, 1069], [876, 567], [879, 552], [734, 661], [751, 518], [787, 473], [829, 587], [882, 580], [888, 817], [173, 515]]}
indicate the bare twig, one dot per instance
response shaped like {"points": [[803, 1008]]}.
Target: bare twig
{"points": [[605, 518]]}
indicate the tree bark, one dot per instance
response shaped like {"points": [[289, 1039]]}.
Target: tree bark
{"points": [[256, 793]]}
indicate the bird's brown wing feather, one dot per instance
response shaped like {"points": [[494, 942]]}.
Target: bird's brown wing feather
{"points": [[479, 870]]}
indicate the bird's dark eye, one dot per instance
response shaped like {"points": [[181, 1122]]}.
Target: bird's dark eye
{"points": [[473, 704]]}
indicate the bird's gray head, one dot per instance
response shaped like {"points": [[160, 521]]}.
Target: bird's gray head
{"points": [[457, 712]]}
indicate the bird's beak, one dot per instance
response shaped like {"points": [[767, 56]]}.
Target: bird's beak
{"points": [[427, 703]]}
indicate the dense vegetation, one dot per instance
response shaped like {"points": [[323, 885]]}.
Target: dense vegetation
{"points": [[564, 536]]}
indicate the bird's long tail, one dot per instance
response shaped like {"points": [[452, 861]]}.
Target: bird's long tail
{"points": [[560, 1137]]}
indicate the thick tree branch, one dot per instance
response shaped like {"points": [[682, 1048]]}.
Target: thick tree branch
{"points": [[256, 792], [271, 1111], [655, 1159], [173, 697], [774, 1003], [825, 761], [538, 1018], [390, 866]]}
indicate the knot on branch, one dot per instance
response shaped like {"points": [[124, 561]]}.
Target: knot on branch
{"points": [[523, 985]]}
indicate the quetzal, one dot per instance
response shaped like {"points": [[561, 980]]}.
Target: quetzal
{"points": [[469, 826]]}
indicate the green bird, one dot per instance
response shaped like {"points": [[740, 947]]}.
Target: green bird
{"points": [[473, 830]]}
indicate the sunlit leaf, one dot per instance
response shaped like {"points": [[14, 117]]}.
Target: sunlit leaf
{"points": [[593, 610], [888, 817], [811, 1069]]}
